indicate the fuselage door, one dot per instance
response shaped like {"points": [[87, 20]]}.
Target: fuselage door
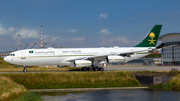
{"points": [[23, 55], [59, 54]]}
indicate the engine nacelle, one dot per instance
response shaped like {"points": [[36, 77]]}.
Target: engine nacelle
{"points": [[115, 59], [82, 63]]}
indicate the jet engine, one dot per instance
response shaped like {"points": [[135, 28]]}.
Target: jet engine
{"points": [[82, 63], [115, 59]]}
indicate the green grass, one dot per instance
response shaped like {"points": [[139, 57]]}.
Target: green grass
{"points": [[9, 89], [158, 86], [173, 84], [75, 79], [156, 73], [29, 96]]}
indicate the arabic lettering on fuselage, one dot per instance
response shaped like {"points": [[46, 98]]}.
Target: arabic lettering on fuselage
{"points": [[44, 52]]}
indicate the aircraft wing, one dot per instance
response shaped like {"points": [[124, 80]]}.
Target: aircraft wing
{"points": [[103, 56]]}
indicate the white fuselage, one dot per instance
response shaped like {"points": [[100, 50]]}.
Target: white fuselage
{"points": [[51, 56]]}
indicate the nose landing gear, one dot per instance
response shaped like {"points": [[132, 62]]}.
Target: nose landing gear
{"points": [[24, 70]]}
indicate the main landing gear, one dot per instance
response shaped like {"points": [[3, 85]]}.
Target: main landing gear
{"points": [[86, 69], [24, 70], [94, 68]]}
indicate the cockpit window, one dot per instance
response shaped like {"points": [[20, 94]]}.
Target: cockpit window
{"points": [[11, 55]]}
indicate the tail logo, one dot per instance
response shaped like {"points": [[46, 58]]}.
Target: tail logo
{"points": [[152, 35]]}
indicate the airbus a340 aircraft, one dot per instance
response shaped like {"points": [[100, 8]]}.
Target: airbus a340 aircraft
{"points": [[88, 58]]}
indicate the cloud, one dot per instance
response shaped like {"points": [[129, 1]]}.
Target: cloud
{"points": [[72, 31], [45, 36], [69, 31], [104, 32], [49, 39], [103, 16], [6, 31], [27, 33], [130, 19], [78, 39], [62, 30], [123, 39], [113, 41], [125, 19], [54, 39], [62, 39]]}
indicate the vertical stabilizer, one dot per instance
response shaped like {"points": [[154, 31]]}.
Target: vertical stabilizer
{"points": [[151, 38]]}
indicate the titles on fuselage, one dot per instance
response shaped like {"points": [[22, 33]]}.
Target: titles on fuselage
{"points": [[52, 52], [78, 51], [42, 52]]}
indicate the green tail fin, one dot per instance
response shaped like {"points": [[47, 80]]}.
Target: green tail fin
{"points": [[151, 38]]}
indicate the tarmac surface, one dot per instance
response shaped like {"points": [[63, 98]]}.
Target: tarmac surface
{"points": [[142, 68], [119, 68]]}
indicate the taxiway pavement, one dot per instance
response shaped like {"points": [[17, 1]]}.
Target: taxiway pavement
{"points": [[142, 68], [118, 68]]}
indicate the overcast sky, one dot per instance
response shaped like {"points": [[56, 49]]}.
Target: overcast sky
{"points": [[85, 23]]}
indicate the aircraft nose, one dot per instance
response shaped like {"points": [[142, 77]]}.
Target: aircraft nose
{"points": [[6, 59]]}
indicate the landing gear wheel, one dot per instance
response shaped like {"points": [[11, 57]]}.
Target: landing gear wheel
{"points": [[101, 69], [95, 69], [24, 70], [84, 69], [88, 68]]}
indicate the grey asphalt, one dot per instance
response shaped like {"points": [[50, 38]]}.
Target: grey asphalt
{"points": [[142, 68], [120, 68]]}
